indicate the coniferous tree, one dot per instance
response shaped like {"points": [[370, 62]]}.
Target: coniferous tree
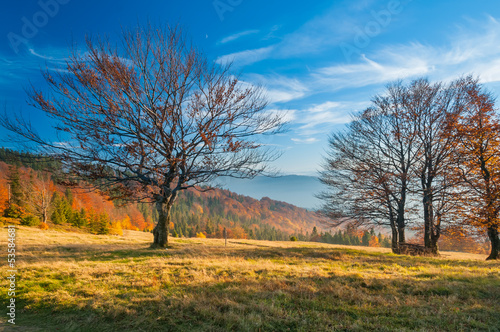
{"points": [[16, 202]]}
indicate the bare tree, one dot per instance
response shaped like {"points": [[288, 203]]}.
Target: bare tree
{"points": [[39, 195], [151, 117], [368, 170], [436, 108]]}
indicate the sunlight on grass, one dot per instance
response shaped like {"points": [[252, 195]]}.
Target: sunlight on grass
{"points": [[82, 282]]}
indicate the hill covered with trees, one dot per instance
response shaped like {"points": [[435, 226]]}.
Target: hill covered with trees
{"points": [[39, 197]]}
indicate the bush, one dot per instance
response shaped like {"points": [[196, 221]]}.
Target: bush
{"points": [[43, 226], [293, 238], [30, 220], [116, 228], [201, 235]]}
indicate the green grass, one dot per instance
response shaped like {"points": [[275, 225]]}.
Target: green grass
{"points": [[79, 282]]}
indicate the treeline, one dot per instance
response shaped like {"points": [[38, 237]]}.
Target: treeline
{"points": [[26, 159], [423, 156], [350, 236]]}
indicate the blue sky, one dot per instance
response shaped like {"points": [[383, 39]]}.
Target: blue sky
{"points": [[320, 61]]}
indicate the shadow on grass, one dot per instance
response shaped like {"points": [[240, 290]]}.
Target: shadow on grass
{"points": [[279, 304], [112, 252]]}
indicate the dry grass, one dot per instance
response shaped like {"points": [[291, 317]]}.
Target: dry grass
{"points": [[82, 282]]}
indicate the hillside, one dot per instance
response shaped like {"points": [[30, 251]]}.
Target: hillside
{"points": [[195, 212], [84, 282]]}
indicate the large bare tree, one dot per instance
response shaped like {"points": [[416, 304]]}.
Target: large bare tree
{"points": [[151, 117], [368, 168], [437, 107]]}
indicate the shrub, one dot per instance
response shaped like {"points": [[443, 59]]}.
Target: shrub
{"points": [[43, 226], [293, 238], [116, 228], [30, 220], [201, 235]]}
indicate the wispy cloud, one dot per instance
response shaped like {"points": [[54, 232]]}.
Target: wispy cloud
{"points": [[246, 57], [319, 118], [309, 140], [475, 52], [317, 34], [368, 71], [281, 89], [238, 35], [285, 115], [277, 88]]}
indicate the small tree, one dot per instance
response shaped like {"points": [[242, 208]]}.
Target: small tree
{"points": [[39, 195], [15, 208], [150, 118], [365, 240]]}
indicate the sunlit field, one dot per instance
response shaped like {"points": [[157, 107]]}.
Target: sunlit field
{"points": [[81, 282]]}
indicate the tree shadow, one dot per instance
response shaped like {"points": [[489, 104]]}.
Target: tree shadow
{"points": [[270, 303]]}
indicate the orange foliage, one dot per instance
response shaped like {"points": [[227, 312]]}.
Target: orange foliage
{"points": [[462, 242], [126, 224], [43, 226], [238, 233], [374, 242], [4, 195]]}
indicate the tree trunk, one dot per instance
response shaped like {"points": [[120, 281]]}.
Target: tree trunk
{"points": [[427, 219], [401, 220], [160, 231], [401, 228], [394, 242], [495, 243], [435, 234]]}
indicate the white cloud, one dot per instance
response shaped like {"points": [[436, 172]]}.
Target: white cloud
{"points": [[368, 72], [319, 119], [318, 34], [277, 88], [467, 52], [285, 115], [238, 35], [247, 57], [309, 140]]}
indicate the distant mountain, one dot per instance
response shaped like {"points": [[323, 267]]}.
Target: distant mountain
{"points": [[298, 190]]}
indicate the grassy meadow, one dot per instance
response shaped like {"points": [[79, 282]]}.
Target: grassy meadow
{"points": [[81, 282]]}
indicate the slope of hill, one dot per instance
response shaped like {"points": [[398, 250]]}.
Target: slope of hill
{"points": [[195, 213], [216, 206]]}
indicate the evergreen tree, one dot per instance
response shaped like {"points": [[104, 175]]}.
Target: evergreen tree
{"points": [[103, 223], [62, 212], [16, 202], [365, 240]]}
